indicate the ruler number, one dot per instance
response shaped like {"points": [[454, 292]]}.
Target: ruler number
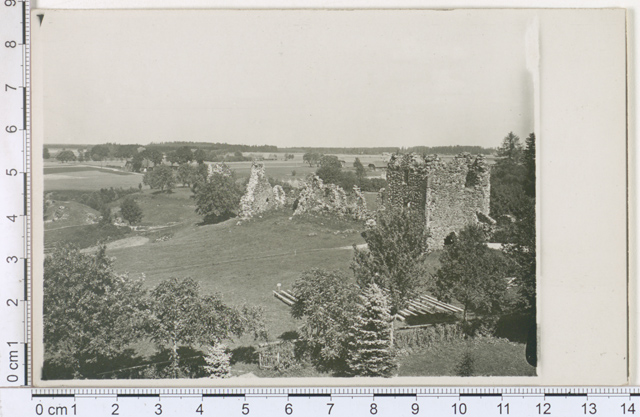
{"points": [[9, 3], [589, 408], [10, 44], [11, 259], [330, 407], [544, 408], [12, 301], [115, 407], [12, 172], [459, 408], [415, 408], [374, 408], [158, 409], [11, 129], [12, 218], [245, 409], [288, 409], [7, 87], [503, 408], [631, 408], [199, 409]]}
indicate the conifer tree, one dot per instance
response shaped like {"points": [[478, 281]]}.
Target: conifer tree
{"points": [[218, 361], [370, 352]]}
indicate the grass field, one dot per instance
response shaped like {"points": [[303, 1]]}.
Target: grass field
{"points": [[245, 263], [76, 176], [491, 357]]}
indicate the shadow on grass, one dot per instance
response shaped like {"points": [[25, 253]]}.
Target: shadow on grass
{"points": [[119, 366], [244, 354]]}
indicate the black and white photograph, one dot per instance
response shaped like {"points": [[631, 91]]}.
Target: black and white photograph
{"points": [[269, 194]]}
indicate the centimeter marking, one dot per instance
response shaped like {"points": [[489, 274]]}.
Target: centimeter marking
{"points": [[15, 204], [349, 402]]}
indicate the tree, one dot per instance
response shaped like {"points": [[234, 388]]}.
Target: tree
{"points": [[394, 257], [99, 152], [182, 316], [311, 158], [66, 155], [153, 155], [508, 176], [472, 274], [199, 156], [326, 302], [161, 177], [360, 171], [130, 210], [183, 155], [511, 149], [370, 350], [45, 153], [186, 174], [90, 313], [217, 198], [522, 251], [529, 161], [105, 216], [330, 170], [136, 162], [218, 361]]}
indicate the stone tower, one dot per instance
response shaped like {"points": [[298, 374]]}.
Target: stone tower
{"points": [[450, 195]]}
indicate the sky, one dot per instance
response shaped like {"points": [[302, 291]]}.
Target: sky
{"points": [[287, 78]]}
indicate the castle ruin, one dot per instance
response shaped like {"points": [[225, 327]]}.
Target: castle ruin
{"points": [[450, 195], [260, 196]]}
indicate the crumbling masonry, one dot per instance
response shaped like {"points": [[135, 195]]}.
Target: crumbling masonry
{"points": [[260, 196], [450, 195]]}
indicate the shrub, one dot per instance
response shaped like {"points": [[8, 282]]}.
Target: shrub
{"points": [[424, 337]]}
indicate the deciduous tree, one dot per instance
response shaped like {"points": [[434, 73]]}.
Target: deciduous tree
{"points": [[186, 174], [326, 302], [473, 274], [65, 156], [90, 313], [218, 197], [130, 210], [161, 177], [183, 316], [394, 257]]}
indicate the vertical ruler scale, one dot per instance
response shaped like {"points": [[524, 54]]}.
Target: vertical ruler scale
{"points": [[15, 188]]}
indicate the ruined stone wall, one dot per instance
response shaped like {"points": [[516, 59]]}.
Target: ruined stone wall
{"points": [[449, 194], [260, 196], [316, 197]]}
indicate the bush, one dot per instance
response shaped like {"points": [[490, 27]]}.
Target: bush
{"points": [[424, 337]]}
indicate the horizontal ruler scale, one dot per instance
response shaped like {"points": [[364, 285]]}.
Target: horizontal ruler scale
{"points": [[322, 402]]}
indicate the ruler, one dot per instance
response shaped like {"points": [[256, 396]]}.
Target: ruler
{"points": [[15, 186], [349, 402]]}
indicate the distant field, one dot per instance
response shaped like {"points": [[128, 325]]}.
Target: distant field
{"points": [[72, 176], [80, 168]]}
